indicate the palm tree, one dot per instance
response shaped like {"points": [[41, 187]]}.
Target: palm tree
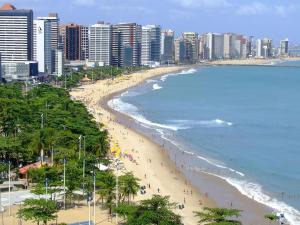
{"points": [[107, 184], [218, 216], [129, 185]]}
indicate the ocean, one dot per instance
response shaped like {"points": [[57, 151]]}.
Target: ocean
{"points": [[240, 123]]}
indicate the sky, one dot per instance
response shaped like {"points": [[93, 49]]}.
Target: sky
{"points": [[276, 19]]}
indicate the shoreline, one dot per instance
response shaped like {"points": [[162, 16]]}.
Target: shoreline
{"points": [[120, 127], [250, 62]]}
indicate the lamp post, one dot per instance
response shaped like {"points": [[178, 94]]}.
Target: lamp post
{"points": [[9, 197], [117, 164], [94, 197], [46, 185], [79, 146], [42, 120], [64, 184]]}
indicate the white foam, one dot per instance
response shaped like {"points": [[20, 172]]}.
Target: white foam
{"points": [[255, 192], [190, 71], [132, 111], [203, 123], [151, 81], [156, 87]]}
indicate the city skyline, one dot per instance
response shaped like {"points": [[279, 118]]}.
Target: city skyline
{"points": [[271, 19]]}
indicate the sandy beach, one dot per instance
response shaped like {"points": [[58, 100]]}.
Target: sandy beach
{"points": [[150, 162], [243, 62]]}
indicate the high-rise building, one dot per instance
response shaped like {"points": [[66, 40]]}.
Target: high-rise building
{"points": [[130, 46], [53, 20], [16, 38], [146, 46], [155, 31], [218, 46], [179, 51], [259, 48], [59, 62], [100, 44], [16, 34], [42, 52], [167, 46], [71, 38], [192, 45], [264, 47], [117, 50], [84, 42], [284, 47]]}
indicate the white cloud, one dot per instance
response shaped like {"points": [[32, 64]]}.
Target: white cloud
{"points": [[85, 2], [259, 8], [203, 3], [254, 8]]}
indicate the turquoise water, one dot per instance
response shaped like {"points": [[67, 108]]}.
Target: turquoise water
{"points": [[240, 123]]}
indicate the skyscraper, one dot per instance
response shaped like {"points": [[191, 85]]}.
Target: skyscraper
{"points": [[117, 49], [16, 39], [53, 20], [284, 47], [167, 46], [71, 38], [258, 48], [100, 44], [146, 46], [16, 34], [42, 52], [192, 45], [130, 46], [84, 42], [155, 32], [179, 50]]}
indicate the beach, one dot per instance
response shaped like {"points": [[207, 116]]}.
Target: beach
{"points": [[151, 163]]}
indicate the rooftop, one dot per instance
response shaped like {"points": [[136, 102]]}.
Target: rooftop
{"points": [[8, 6]]}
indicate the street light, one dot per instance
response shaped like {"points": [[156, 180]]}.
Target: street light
{"points": [[79, 146], [64, 184], [117, 165], [9, 197]]}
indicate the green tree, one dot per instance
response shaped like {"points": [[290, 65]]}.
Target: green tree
{"points": [[129, 185], [38, 210], [218, 216], [271, 217], [107, 183], [154, 211]]}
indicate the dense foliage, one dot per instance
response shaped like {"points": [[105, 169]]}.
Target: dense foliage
{"points": [[45, 119], [157, 210], [219, 216], [72, 79], [38, 210]]}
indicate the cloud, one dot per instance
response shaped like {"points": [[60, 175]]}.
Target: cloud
{"points": [[255, 8], [85, 2], [203, 3], [259, 8]]}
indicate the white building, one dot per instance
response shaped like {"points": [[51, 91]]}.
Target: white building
{"points": [[59, 62], [100, 42], [42, 49], [146, 46], [258, 48]]}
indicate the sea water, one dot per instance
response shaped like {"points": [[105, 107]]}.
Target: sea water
{"points": [[241, 123]]}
